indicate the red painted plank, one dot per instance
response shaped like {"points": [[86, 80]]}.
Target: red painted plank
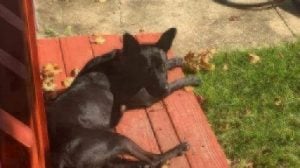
{"points": [[134, 124], [165, 133], [148, 38], [111, 42], [77, 51], [191, 125], [49, 51]]}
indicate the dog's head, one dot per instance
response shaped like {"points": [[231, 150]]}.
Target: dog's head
{"points": [[147, 63]]}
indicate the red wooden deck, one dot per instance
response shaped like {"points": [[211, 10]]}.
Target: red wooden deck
{"points": [[177, 118]]}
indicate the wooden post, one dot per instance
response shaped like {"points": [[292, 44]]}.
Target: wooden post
{"points": [[38, 118]]}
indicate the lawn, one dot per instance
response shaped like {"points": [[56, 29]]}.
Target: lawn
{"points": [[254, 108]]}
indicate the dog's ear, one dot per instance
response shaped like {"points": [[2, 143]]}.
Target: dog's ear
{"points": [[130, 44], [166, 39]]}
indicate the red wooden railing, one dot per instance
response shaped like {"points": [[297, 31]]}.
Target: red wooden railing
{"points": [[31, 132]]}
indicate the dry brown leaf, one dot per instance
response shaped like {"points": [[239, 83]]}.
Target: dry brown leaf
{"points": [[98, 39], [229, 162], [75, 72], [195, 62], [191, 62], [253, 58], [205, 56], [249, 165], [48, 86], [189, 88], [200, 99], [141, 30], [166, 165], [234, 18], [225, 67], [50, 70], [208, 67], [67, 81], [48, 80], [278, 101]]}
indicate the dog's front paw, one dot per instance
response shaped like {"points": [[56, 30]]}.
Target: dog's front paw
{"points": [[182, 148], [194, 81]]}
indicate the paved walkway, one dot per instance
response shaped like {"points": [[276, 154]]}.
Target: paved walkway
{"points": [[200, 23]]}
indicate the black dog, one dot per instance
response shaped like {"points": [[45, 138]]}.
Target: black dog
{"points": [[81, 120], [150, 73]]}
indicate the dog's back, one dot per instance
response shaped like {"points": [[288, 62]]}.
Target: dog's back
{"points": [[87, 104]]}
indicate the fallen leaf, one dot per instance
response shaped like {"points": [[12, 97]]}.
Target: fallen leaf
{"points": [[48, 86], [166, 165], [50, 70], [249, 165], [229, 162], [225, 67], [141, 30], [247, 112], [234, 18], [200, 99], [48, 80], [98, 39], [189, 88], [277, 101], [208, 67], [67, 81], [195, 62], [254, 59], [75, 72], [191, 62]]}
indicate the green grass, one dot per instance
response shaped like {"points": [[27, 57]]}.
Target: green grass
{"points": [[240, 105]]}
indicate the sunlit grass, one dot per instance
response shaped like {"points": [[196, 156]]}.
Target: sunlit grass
{"points": [[254, 108]]}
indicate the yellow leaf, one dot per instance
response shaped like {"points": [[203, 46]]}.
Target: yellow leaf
{"points": [[67, 81], [254, 59], [277, 101], [98, 39], [225, 67], [75, 72], [50, 70], [48, 86], [166, 165], [189, 88]]}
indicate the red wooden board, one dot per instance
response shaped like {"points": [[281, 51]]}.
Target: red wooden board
{"points": [[192, 126], [160, 127], [49, 51], [77, 51], [165, 133]]}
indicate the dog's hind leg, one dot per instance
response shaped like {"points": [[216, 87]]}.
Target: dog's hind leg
{"points": [[126, 146], [174, 62]]}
